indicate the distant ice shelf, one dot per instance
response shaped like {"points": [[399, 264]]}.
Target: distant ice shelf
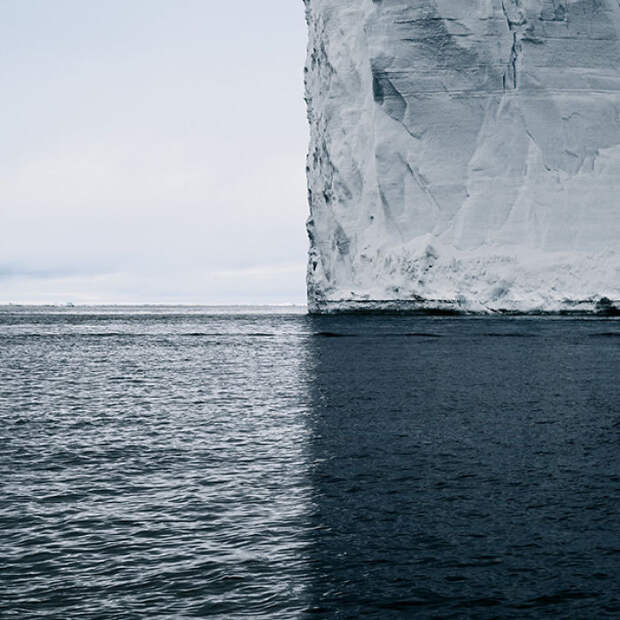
{"points": [[464, 156]]}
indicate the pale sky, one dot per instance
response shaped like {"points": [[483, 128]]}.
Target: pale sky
{"points": [[152, 151]]}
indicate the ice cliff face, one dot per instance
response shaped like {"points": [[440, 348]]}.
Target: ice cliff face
{"points": [[464, 154]]}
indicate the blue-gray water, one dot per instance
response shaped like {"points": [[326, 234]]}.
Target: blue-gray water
{"points": [[181, 463]]}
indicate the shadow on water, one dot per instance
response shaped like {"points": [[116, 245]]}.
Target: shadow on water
{"points": [[274, 465], [457, 472]]}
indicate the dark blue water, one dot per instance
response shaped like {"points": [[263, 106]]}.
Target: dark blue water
{"points": [[179, 463]]}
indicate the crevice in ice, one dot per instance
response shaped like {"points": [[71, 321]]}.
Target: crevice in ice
{"points": [[547, 167], [423, 185], [388, 96], [515, 57], [515, 18], [387, 214]]}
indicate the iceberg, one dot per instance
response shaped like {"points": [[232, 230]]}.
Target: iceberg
{"points": [[464, 155]]}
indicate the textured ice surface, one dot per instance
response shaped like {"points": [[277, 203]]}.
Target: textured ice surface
{"points": [[464, 154]]}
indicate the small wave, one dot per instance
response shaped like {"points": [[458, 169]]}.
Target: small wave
{"points": [[225, 334], [480, 602], [108, 335], [386, 335], [30, 335], [559, 597], [420, 335], [431, 600], [509, 335]]}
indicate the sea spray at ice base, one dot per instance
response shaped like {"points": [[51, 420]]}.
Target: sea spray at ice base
{"points": [[464, 154]]}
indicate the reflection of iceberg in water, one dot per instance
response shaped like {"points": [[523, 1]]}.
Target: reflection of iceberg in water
{"points": [[452, 471]]}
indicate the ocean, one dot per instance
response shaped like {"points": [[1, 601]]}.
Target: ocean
{"points": [[173, 462]]}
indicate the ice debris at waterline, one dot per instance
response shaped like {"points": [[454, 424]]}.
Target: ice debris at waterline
{"points": [[464, 155]]}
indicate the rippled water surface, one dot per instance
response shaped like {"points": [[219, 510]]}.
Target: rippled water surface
{"points": [[195, 462]]}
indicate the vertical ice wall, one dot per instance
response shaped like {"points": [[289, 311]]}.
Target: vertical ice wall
{"points": [[463, 154]]}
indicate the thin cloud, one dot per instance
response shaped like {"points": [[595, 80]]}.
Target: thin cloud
{"points": [[143, 166]]}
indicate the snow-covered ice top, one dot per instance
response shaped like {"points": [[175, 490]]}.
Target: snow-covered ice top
{"points": [[464, 154]]}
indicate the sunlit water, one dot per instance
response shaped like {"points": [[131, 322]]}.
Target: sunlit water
{"points": [[193, 462]]}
